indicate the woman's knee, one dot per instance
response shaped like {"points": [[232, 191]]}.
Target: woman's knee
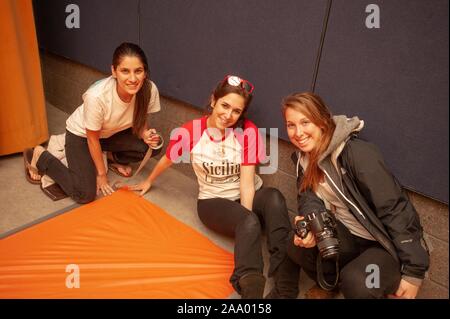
{"points": [[141, 147], [353, 285], [249, 223], [84, 196], [136, 146], [271, 204], [273, 196]]}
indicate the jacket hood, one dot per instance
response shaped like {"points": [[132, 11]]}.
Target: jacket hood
{"points": [[344, 128]]}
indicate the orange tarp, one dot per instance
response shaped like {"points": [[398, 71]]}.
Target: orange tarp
{"points": [[120, 246]]}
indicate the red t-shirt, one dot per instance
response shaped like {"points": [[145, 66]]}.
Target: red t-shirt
{"points": [[217, 163]]}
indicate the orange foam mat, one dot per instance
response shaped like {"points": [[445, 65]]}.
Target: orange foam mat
{"points": [[120, 246]]}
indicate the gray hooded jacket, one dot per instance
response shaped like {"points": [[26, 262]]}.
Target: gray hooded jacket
{"points": [[357, 174]]}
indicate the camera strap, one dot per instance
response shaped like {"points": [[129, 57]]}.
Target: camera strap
{"points": [[321, 278]]}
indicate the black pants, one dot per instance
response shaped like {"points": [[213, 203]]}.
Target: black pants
{"points": [[234, 220], [79, 179], [357, 259]]}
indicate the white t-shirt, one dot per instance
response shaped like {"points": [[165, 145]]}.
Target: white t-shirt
{"points": [[103, 110], [217, 164]]}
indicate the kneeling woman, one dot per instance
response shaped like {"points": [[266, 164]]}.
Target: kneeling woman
{"points": [[113, 118], [224, 150], [377, 226]]}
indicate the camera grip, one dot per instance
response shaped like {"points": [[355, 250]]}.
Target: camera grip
{"points": [[301, 228]]}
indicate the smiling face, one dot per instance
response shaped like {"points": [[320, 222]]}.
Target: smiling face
{"points": [[303, 133], [130, 74], [226, 111]]}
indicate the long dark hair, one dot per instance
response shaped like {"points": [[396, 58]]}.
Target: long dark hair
{"points": [[222, 89], [313, 107], [144, 94]]}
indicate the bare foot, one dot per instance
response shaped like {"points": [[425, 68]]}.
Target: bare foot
{"points": [[38, 150], [123, 169]]}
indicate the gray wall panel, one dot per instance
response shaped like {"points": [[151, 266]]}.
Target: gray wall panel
{"points": [[396, 79], [193, 44], [103, 26]]}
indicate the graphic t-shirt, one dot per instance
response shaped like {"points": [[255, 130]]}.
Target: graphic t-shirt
{"points": [[103, 110], [217, 163]]}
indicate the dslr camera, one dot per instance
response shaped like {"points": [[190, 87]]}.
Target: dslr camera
{"points": [[323, 227]]}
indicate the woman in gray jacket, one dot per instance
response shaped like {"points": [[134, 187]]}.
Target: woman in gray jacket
{"points": [[355, 221]]}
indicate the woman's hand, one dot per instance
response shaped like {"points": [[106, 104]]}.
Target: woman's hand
{"points": [[406, 290], [308, 242], [103, 185], [151, 138], [142, 186]]}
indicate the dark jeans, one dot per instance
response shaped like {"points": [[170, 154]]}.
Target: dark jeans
{"points": [[234, 220], [79, 179], [355, 255]]}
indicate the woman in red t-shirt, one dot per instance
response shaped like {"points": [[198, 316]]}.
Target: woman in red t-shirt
{"points": [[224, 148]]}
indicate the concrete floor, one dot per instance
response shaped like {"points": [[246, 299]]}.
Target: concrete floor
{"points": [[22, 203]]}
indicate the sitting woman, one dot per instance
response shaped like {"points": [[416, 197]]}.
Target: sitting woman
{"points": [[224, 148], [344, 185], [112, 118]]}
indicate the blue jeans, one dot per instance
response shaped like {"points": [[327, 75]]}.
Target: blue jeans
{"points": [[79, 179]]}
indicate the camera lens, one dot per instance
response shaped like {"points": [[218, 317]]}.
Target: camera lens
{"points": [[329, 248]]}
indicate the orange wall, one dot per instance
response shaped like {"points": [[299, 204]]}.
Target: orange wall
{"points": [[23, 121]]}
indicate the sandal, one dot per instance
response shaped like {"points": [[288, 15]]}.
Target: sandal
{"points": [[27, 157], [116, 170], [54, 191]]}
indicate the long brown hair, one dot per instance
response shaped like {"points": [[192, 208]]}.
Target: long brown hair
{"points": [[313, 107], [144, 94], [222, 89]]}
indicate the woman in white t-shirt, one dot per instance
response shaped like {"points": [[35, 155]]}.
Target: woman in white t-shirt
{"points": [[224, 148], [112, 118]]}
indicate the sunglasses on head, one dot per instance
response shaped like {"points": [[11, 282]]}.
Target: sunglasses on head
{"points": [[234, 80]]}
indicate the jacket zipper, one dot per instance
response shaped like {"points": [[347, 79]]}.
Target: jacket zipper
{"points": [[382, 242], [298, 163], [351, 203]]}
